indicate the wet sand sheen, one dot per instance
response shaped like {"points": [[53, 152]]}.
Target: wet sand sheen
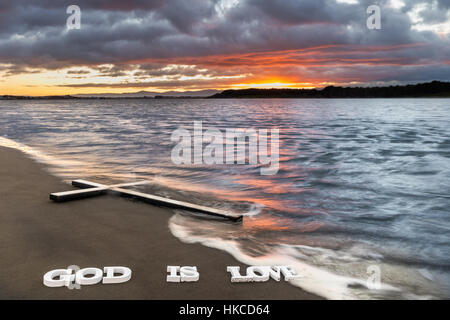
{"points": [[37, 236]]}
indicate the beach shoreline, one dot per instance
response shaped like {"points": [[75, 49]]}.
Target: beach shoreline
{"points": [[37, 235]]}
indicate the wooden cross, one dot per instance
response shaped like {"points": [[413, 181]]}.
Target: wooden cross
{"points": [[91, 189]]}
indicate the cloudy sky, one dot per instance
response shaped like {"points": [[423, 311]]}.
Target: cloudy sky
{"points": [[134, 45]]}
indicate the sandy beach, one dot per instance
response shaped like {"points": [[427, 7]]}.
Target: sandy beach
{"points": [[37, 235]]}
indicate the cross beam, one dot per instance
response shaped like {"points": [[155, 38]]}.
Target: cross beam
{"points": [[91, 189]]}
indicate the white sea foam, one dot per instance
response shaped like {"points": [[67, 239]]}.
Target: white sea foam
{"points": [[314, 279], [254, 210], [36, 154], [43, 157]]}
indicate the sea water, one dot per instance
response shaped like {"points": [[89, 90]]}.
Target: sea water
{"points": [[362, 185]]}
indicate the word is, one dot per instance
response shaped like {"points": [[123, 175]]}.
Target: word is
{"points": [[182, 274]]}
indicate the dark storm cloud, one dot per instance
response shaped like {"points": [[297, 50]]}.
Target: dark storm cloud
{"points": [[149, 35], [306, 12]]}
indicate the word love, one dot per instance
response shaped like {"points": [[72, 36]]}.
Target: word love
{"points": [[262, 273], [73, 277]]}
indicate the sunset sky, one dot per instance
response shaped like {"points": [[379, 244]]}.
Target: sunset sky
{"points": [[134, 45]]}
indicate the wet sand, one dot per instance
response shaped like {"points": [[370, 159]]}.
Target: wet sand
{"points": [[37, 235]]}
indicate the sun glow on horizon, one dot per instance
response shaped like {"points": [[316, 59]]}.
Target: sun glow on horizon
{"points": [[277, 85], [72, 81]]}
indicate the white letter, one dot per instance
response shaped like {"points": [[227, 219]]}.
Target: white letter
{"points": [[213, 153], [236, 276], [189, 274], [198, 142], [374, 280], [71, 284], [173, 277], [289, 273], [241, 143], [65, 278], [374, 21], [264, 273], [183, 147], [73, 21], [125, 274], [97, 275], [264, 158], [230, 135], [275, 273]]}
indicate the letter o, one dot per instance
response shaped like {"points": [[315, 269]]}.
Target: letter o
{"points": [[260, 269], [81, 278]]}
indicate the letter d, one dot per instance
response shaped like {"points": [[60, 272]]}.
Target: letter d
{"points": [[125, 274]]}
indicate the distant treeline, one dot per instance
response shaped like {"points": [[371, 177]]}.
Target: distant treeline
{"points": [[65, 97], [69, 97], [9, 97], [431, 89]]}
